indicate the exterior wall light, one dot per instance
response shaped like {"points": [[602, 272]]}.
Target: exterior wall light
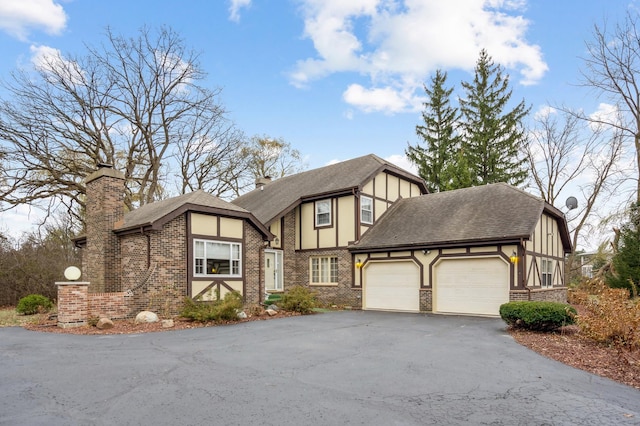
{"points": [[514, 258], [359, 264]]}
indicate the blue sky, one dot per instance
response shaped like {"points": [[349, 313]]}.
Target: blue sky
{"points": [[336, 79]]}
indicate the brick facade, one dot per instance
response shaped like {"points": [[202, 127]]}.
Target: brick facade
{"points": [[76, 305], [253, 265], [153, 267], [104, 207], [556, 294], [297, 265]]}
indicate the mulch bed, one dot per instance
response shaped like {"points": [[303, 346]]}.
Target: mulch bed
{"points": [[128, 326], [569, 347]]}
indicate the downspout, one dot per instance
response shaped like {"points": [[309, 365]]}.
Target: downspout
{"points": [[522, 270]]}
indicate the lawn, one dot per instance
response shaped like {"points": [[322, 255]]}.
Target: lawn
{"points": [[10, 318]]}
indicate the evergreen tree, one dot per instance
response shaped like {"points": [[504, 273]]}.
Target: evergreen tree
{"points": [[625, 265], [492, 135], [437, 159]]}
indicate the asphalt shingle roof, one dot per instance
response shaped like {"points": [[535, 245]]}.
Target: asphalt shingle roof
{"points": [[483, 213], [280, 195], [149, 214]]}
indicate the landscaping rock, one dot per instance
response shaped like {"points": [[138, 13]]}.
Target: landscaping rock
{"points": [[271, 312], [145, 317], [242, 315], [273, 308], [104, 323], [167, 323]]}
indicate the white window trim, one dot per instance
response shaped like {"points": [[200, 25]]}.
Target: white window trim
{"points": [[327, 272], [317, 204], [362, 210], [231, 259], [546, 273]]}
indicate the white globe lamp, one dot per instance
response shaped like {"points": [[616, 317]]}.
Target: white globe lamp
{"points": [[72, 273]]}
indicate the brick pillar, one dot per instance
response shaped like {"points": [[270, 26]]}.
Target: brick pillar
{"points": [[104, 207], [73, 303]]}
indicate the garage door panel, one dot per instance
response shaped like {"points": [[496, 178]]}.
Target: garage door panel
{"points": [[472, 285], [393, 286]]}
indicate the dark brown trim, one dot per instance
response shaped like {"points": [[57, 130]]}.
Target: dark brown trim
{"points": [[243, 259], [219, 238], [337, 221], [281, 236], [195, 208], [217, 284], [190, 260], [435, 246]]}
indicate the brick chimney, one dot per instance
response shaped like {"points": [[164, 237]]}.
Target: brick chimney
{"points": [[104, 207]]}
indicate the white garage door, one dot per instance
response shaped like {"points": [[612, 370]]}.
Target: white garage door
{"points": [[392, 286], [471, 285]]}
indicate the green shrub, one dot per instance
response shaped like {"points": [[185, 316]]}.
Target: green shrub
{"points": [[34, 304], [538, 316], [299, 299], [221, 310]]}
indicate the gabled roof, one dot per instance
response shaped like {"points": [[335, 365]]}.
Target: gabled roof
{"points": [[278, 197], [481, 214], [156, 214]]}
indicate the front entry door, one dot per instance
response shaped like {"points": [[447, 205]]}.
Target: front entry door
{"points": [[273, 270]]}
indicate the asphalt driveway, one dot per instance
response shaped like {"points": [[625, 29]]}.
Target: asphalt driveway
{"points": [[357, 368]]}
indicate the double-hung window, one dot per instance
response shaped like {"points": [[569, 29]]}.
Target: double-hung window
{"points": [[323, 213], [324, 270], [217, 258], [546, 270], [366, 210]]}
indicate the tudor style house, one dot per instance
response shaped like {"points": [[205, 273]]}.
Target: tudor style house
{"points": [[363, 233]]}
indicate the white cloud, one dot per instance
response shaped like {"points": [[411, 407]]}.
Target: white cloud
{"points": [[235, 7], [544, 112], [45, 58], [403, 162], [397, 44], [605, 114], [377, 99], [19, 17]]}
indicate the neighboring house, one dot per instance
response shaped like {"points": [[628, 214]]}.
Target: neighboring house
{"points": [[362, 233]]}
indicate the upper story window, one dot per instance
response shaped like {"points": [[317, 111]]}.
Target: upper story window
{"points": [[366, 210], [323, 213], [546, 272], [216, 258]]}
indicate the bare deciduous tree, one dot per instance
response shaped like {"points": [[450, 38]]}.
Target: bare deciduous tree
{"points": [[130, 102], [566, 153], [272, 157], [611, 68], [214, 162]]}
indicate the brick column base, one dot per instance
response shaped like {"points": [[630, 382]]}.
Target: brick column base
{"points": [[73, 304]]}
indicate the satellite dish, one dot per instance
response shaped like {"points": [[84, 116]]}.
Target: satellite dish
{"points": [[571, 203]]}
